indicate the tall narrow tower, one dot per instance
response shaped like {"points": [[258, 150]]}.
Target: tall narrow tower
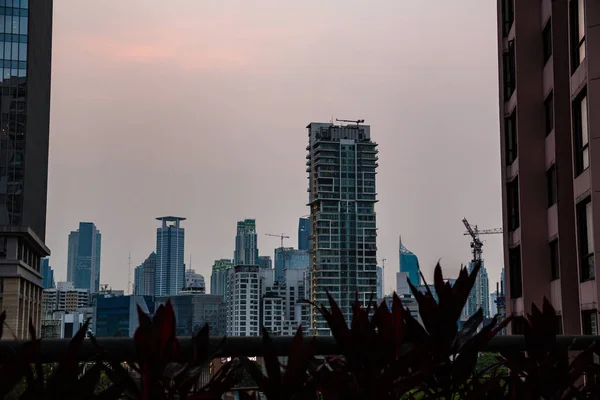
{"points": [[341, 165], [83, 263], [169, 276], [246, 246]]}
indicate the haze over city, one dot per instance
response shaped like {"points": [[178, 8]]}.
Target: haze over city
{"points": [[198, 109]]}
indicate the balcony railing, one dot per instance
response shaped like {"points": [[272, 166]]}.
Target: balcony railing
{"points": [[123, 349]]}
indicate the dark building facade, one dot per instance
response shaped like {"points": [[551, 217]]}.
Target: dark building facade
{"points": [[25, 58], [303, 234], [194, 310], [549, 69], [169, 275], [47, 274], [83, 262]]}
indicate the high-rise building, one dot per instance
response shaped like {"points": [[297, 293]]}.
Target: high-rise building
{"points": [[144, 277], [169, 276], [246, 245], [265, 262], [47, 274], [379, 284], [282, 307], [194, 310], [289, 258], [83, 262], [409, 263], [218, 278], [479, 297], [117, 316], [24, 126], [64, 298], [341, 163], [548, 74], [303, 234], [244, 291]]}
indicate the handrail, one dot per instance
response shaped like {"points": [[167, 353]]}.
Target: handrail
{"points": [[123, 349]]}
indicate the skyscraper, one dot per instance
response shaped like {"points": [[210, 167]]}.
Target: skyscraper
{"points": [[243, 298], [218, 278], [47, 274], [169, 277], [289, 258], [83, 262], [341, 165], [303, 234], [379, 284], [265, 262], [409, 263], [145, 276], [479, 297], [246, 246], [548, 91], [24, 128]]}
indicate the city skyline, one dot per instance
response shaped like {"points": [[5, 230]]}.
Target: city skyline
{"points": [[424, 203]]}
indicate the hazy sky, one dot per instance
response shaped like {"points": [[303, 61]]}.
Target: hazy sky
{"points": [[198, 109]]}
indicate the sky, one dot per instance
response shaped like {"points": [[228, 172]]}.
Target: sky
{"points": [[198, 109]]}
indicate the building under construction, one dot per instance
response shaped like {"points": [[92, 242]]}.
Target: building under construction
{"points": [[341, 164]]}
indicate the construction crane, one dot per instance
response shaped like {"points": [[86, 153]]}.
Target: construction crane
{"points": [[476, 243], [354, 121], [282, 236]]}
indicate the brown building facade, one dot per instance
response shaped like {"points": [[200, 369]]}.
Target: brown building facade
{"points": [[549, 75]]}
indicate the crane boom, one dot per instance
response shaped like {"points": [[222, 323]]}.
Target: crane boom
{"points": [[282, 236], [354, 121]]}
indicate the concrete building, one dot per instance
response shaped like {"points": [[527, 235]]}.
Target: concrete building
{"points": [[116, 316], [289, 258], [341, 164], [244, 288], [47, 274], [409, 263], [193, 310], [83, 259], [549, 54], [246, 243], [145, 277], [24, 124], [379, 284], [218, 278], [265, 262], [282, 307], [303, 234], [194, 280], [169, 276], [64, 298]]}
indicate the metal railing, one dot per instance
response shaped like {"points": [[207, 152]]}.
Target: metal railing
{"points": [[123, 349]]}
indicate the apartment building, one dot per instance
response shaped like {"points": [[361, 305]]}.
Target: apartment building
{"points": [[549, 75]]}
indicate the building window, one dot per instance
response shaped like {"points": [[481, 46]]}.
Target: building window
{"points": [[554, 261], [516, 280], [510, 128], [589, 319], [549, 112], [508, 64], [577, 33], [508, 16], [547, 41], [512, 199], [580, 128], [586, 240], [552, 185]]}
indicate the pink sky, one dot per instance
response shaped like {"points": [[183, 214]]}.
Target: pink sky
{"points": [[198, 108]]}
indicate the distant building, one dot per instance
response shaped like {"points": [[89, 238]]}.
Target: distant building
{"points": [[244, 291], [193, 310], [145, 277], [246, 243], [47, 274], [194, 280], [64, 298], [83, 262], [62, 325], [407, 301], [265, 262], [409, 263], [493, 304], [116, 316], [289, 258], [218, 278], [341, 166], [303, 234], [379, 284], [169, 276], [480, 294], [431, 288], [282, 307]]}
